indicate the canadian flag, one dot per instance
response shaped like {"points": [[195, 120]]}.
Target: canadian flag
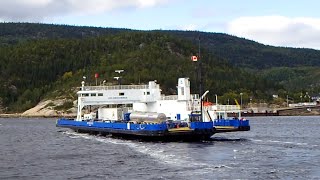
{"points": [[194, 58]]}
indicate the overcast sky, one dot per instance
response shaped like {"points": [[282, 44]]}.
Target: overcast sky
{"points": [[290, 23]]}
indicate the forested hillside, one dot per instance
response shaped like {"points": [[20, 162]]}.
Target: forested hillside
{"points": [[238, 51], [38, 61], [250, 54], [30, 70], [13, 33], [295, 68]]}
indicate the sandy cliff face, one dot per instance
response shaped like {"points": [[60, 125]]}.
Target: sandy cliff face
{"points": [[47, 109]]}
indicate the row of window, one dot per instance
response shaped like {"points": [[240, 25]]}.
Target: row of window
{"points": [[92, 94], [101, 94]]}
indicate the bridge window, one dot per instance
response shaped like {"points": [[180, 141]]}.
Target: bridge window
{"points": [[121, 94], [100, 94], [148, 93], [85, 95], [93, 94]]}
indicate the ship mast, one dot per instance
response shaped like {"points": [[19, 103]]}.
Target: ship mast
{"points": [[200, 84]]}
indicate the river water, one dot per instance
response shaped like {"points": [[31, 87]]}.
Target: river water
{"points": [[275, 148]]}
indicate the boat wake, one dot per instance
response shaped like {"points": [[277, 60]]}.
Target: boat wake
{"points": [[167, 153], [227, 139], [164, 153], [283, 143]]}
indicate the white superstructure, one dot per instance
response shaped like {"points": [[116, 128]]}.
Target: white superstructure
{"points": [[112, 102]]}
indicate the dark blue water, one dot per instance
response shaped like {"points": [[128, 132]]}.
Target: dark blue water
{"points": [[275, 148]]}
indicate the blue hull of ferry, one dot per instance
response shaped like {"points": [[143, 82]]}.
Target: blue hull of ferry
{"points": [[230, 125], [156, 132], [196, 131]]}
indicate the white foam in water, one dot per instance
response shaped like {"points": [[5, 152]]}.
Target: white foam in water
{"points": [[257, 140], [156, 152], [287, 142], [160, 152], [284, 142], [275, 141], [77, 135]]}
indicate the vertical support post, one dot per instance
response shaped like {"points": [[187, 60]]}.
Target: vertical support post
{"points": [[241, 100], [96, 75], [240, 104], [217, 99]]}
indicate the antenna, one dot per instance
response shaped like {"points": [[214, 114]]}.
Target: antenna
{"points": [[118, 78], [119, 71]]}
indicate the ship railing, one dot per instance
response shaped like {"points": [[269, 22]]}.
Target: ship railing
{"points": [[116, 87], [227, 107], [193, 108], [224, 108], [195, 96], [171, 97], [175, 97]]}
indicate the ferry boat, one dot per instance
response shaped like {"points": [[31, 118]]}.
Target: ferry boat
{"points": [[142, 112]]}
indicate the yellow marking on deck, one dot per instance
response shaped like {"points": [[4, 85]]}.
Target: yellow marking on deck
{"points": [[180, 129], [224, 127]]}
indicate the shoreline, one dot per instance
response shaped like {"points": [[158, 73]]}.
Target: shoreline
{"points": [[19, 115], [13, 115]]}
